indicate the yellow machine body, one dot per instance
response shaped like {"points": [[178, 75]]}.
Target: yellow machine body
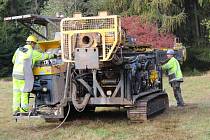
{"points": [[102, 31], [47, 70], [51, 44], [53, 69]]}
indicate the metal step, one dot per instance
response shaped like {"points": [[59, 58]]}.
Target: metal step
{"points": [[26, 115]]}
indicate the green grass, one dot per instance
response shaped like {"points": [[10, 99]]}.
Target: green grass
{"points": [[191, 122]]}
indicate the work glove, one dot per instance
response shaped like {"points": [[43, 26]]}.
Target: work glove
{"points": [[51, 56], [162, 62], [55, 56]]}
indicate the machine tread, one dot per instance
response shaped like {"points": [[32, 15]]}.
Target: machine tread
{"points": [[148, 106]]}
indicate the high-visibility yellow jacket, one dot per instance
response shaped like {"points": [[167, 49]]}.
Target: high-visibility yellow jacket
{"points": [[173, 69], [24, 60]]}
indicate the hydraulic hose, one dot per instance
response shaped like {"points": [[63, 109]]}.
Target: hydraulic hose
{"points": [[64, 118], [79, 106], [67, 83]]}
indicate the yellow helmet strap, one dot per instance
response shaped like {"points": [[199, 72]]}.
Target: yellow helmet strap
{"points": [[30, 43]]}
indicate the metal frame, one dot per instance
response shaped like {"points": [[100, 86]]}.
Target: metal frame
{"points": [[39, 34], [105, 56], [28, 20], [99, 97]]}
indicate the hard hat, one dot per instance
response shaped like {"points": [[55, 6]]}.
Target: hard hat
{"points": [[170, 52], [32, 38]]}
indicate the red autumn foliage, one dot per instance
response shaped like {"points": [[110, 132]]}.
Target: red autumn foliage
{"points": [[146, 33]]}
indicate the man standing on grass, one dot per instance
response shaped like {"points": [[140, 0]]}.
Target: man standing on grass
{"points": [[175, 76], [23, 79]]}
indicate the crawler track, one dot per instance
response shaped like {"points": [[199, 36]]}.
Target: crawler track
{"points": [[148, 106]]}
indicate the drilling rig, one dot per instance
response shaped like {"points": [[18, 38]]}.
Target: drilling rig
{"points": [[98, 67]]}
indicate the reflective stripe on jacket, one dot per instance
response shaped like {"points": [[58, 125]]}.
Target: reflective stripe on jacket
{"points": [[20, 57], [174, 70]]}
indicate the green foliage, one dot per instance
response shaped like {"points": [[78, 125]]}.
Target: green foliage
{"points": [[201, 54], [168, 14], [3, 8], [206, 23], [198, 60], [68, 7], [203, 2], [11, 38], [54, 6]]}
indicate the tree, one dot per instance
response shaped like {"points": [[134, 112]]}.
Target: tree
{"points": [[183, 17], [146, 33], [67, 7], [168, 14]]}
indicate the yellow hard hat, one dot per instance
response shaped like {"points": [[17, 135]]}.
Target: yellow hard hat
{"points": [[32, 38]]}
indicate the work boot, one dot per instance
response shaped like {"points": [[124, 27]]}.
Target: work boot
{"points": [[180, 99], [16, 113], [181, 105], [23, 113], [180, 102], [32, 112], [178, 96]]}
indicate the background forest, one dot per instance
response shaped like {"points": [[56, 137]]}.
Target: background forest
{"points": [[188, 20]]}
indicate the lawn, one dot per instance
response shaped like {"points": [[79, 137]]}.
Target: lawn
{"points": [[191, 122]]}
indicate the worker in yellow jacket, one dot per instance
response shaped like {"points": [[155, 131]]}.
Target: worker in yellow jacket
{"points": [[175, 76], [23, 79]]}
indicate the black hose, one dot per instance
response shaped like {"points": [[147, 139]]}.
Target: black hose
{"points": [[50, 131], [64, 118], [79, 106], [82, 75]]}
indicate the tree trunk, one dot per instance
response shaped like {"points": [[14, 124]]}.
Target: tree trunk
{"points": [[13, 7], [197, 23]]}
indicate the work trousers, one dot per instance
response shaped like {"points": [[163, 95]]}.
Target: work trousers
{"points": [[177, 93], [20, 98]]}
